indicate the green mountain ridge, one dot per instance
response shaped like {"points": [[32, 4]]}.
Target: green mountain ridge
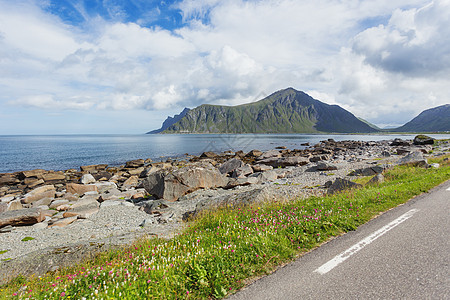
{"points": [[435, 119], [285, 111]]}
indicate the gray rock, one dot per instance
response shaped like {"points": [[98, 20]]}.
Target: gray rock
{"points": [[57, 203], [322, 166], [415, 159], [423, 140], [135, 163], [261, 168], [46, 191], [267, 176], [285, 161], [28, 216], [234, 182], [370, 171], [243, 171], [400, 142], [87, 179], [377, 179], [172, 185], [341, 184], [230, 165], [105, 186], [435, 166], [269, 154]]}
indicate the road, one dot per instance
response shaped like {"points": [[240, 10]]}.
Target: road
{"points": [[402, 254]]}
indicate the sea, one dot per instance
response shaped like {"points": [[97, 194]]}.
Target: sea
{"points": [[62, 152]]}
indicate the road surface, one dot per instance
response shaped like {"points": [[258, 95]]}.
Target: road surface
{"points": [[402, 254]]}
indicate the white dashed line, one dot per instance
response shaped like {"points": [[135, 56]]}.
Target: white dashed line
{"points": [[355, 248]]}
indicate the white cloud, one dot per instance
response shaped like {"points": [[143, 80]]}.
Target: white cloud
{"points": [[379, 59]]}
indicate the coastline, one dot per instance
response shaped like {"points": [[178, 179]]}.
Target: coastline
{"points": [[120, 209]]}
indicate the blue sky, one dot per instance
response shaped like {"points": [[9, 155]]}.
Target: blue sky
{"points": [[116, 66]]}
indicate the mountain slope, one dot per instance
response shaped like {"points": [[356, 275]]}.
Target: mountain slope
{"points": [[431, 120], [170, 121], [285, 111]]}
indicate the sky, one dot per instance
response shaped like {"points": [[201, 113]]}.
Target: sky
{"points": [[116, 66]]}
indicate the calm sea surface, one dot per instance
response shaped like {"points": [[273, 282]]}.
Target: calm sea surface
{"points": [[60, 152]]}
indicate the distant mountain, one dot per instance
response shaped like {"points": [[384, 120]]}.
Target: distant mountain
{"points": [[370, 124], [285, 111], [170, 121], [431, 120]]}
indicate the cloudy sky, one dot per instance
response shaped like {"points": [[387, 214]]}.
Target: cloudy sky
{"points": [[116, 66]]}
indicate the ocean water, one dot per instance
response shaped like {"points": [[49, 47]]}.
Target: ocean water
{"points": [[60, 152]]}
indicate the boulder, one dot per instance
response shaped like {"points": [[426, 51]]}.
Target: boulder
{"points": [[105, 186], [208, 154], [28, 216], [242, 172], [33, 182], [269, 154], [284, 161], [58, 203], [178, 182], [377, 179], [414, 158], [133, 181], [37, 173], [137, 171], [254, 153], [92, 168], [46, 191], [322, 166], [234, 182], [261, 168], [87, 179], [230, 165], [341, 184], [132, 164], [267, 176], [53, 177], [64, 222], [370, 171], [423, 140], [14, 205], [399, 142], [80, 189], [8, 179]]}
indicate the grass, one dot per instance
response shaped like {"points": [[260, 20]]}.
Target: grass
{"points": [[221, 251], [27, 238]]}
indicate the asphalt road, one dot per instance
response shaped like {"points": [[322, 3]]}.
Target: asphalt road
{"points": [[402, 254]]}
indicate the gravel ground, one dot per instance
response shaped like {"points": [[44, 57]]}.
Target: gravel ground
{"points": [[120, 224]]}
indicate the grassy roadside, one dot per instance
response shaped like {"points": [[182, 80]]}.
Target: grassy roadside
{"points": [[222, 250]]}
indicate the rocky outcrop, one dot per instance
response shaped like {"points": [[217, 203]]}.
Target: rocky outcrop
{"points": [[178, 182], [21, 217], [423, 140], [341, 184]]}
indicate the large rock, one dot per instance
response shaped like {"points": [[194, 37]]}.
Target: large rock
{"points": [[92, 168], [254, 153], [415, 159], [243, 171], [80, 189], [46, 191], [230, 165], [87, 179], [8, 179], [37, 173], [284, 161], [21, 217], [172, 185], [269, 154], [423, 140], [134, 163], [399, 142], [341, 184], [53, 176], [267, 176], [370, 171]]}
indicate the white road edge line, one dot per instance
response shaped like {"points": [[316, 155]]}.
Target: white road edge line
{"points": [[364, 242]]}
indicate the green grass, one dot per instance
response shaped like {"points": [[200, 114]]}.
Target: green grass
{"points": [[3, 251], [221, 251], [27, 238]]}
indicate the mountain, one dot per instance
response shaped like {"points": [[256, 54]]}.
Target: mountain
{"points": [[285, 111], [370, 124], [431, 120], [170, 121]]}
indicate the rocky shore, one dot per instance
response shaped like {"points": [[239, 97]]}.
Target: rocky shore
{"points": [[49, 219]]}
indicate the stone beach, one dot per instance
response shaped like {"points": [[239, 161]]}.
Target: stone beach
{"points": [[69, 215]]}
